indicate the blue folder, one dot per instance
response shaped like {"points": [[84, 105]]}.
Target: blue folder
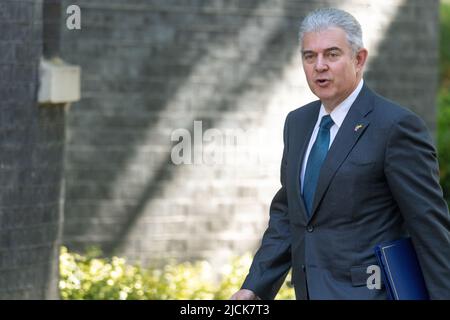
{"points": [[401, 271]]}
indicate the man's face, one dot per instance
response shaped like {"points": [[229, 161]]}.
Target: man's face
{"points": [[331, 68]]}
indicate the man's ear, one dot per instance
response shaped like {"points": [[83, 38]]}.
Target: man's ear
{"points": [[361, 57]]}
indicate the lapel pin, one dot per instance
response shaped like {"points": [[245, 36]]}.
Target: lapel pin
{"points": [[359, 126]]}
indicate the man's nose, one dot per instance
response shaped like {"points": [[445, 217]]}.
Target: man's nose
{"points": [[321, 64]]}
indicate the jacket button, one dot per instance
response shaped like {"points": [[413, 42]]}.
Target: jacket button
{"points": [[310, 228]]}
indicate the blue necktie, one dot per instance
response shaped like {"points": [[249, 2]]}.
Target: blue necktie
{"points": [[316, 157]]}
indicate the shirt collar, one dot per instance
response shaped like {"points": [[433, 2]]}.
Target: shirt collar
{"points": [[338, 114]]}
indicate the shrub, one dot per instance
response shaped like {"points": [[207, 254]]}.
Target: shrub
{"points": [[443, 139], [91, 277]]}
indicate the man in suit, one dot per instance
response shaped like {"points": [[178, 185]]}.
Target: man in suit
{"points": [[357, 170]]}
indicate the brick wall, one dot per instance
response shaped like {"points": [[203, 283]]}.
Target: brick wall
{"points": [[31, 149], [152, 68], [405, 68]]}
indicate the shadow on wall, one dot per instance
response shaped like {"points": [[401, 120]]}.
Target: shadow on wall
{"points": [[405, 68], [148, 70], [130, 78]]}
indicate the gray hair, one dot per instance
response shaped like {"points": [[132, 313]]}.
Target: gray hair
{"points": [[321, 19]]}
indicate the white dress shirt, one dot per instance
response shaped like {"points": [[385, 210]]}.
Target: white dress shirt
{"points": [[337, 115]]}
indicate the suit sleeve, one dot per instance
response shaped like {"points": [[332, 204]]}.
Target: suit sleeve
{"points": [[412, 173], [272, 260]]}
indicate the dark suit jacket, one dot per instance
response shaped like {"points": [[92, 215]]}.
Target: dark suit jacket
{"points": [[377, 183]]}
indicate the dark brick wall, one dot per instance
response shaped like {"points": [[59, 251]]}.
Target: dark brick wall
{"points": [[406, 66], [151, 67], [31, 154]]}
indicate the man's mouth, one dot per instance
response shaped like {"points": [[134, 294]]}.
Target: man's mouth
{"points": [[322, 82]]}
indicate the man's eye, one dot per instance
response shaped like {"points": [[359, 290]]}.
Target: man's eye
{"points": [[333, 54]]}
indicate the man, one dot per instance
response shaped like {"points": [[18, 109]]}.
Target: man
{"points": [[357, 170]]}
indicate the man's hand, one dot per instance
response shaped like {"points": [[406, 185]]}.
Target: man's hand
{"points": [[245, 294]]}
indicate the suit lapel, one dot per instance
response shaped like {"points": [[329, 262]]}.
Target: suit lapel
{"points": [[352, 129]]}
